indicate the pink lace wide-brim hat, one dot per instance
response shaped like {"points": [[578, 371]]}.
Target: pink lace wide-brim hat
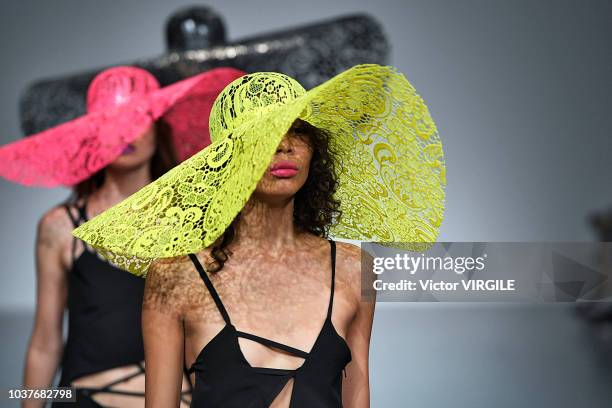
{"points": [[122, 103]]}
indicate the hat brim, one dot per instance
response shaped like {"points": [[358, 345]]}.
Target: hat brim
{"points": [[389, 162], [70, 153]]}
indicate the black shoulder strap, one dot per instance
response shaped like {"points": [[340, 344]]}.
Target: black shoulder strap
{"points": [[332, 244], [210, 287], [74, 220], [83, 212]]}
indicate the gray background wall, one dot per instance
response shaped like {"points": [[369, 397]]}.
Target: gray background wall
{"points": [[521, 93]]}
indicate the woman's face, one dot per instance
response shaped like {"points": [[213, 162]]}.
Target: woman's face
{"points": [[289, 168], [137, 153]]}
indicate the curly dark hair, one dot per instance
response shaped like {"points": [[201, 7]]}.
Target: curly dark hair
{"points": [[315, 207]]}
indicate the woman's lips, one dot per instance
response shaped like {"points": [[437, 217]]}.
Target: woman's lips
{"points": [[128, 149], [284, 173], [284, 169]]}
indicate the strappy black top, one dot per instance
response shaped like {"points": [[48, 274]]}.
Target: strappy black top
{"points": [[225, 379], [104, 309]]}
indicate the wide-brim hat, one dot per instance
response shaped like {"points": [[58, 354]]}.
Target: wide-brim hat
{"points": [[310, 53], [387, 152], [122, 102]]}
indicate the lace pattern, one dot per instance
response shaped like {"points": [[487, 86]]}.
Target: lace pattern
{"points": [[390, 167], [73, 151]]}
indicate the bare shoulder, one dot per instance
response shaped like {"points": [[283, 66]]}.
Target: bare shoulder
{"points": [[348, 256], [348, 265], [161, 265], [352, 264], [170, 285], [171, 273], [54, 228]]}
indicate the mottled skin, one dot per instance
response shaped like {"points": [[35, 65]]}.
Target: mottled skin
{"points": [[54, 240], [276, 284]]}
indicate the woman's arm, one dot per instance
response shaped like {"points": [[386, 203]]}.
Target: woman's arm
{"points": [[356, 385], [162, 329], [46, 344]]}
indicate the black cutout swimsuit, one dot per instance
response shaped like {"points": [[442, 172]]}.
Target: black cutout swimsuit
{"points": [[225, 379]]}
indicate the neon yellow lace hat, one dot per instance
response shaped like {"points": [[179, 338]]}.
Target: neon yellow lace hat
{"points": [[389, 162]]}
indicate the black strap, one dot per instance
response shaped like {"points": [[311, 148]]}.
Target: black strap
{"points": [[273, 344], [188, 371], [211, 288], [332, 244], [83, 212], [92, 391], [75, 222], [184, 394], [274, 371], [106, 388]]}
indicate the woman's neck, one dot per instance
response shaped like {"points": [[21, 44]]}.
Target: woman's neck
{"points": [[271, 225], [120, 184]]}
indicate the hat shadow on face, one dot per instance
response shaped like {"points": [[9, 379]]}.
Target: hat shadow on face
{"points": [[281, 185]]}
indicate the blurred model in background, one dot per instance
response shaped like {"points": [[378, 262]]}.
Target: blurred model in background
{"points": [[133, 133]]}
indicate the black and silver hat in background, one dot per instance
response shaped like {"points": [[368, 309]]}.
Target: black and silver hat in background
{"points": [[196, 42]]}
